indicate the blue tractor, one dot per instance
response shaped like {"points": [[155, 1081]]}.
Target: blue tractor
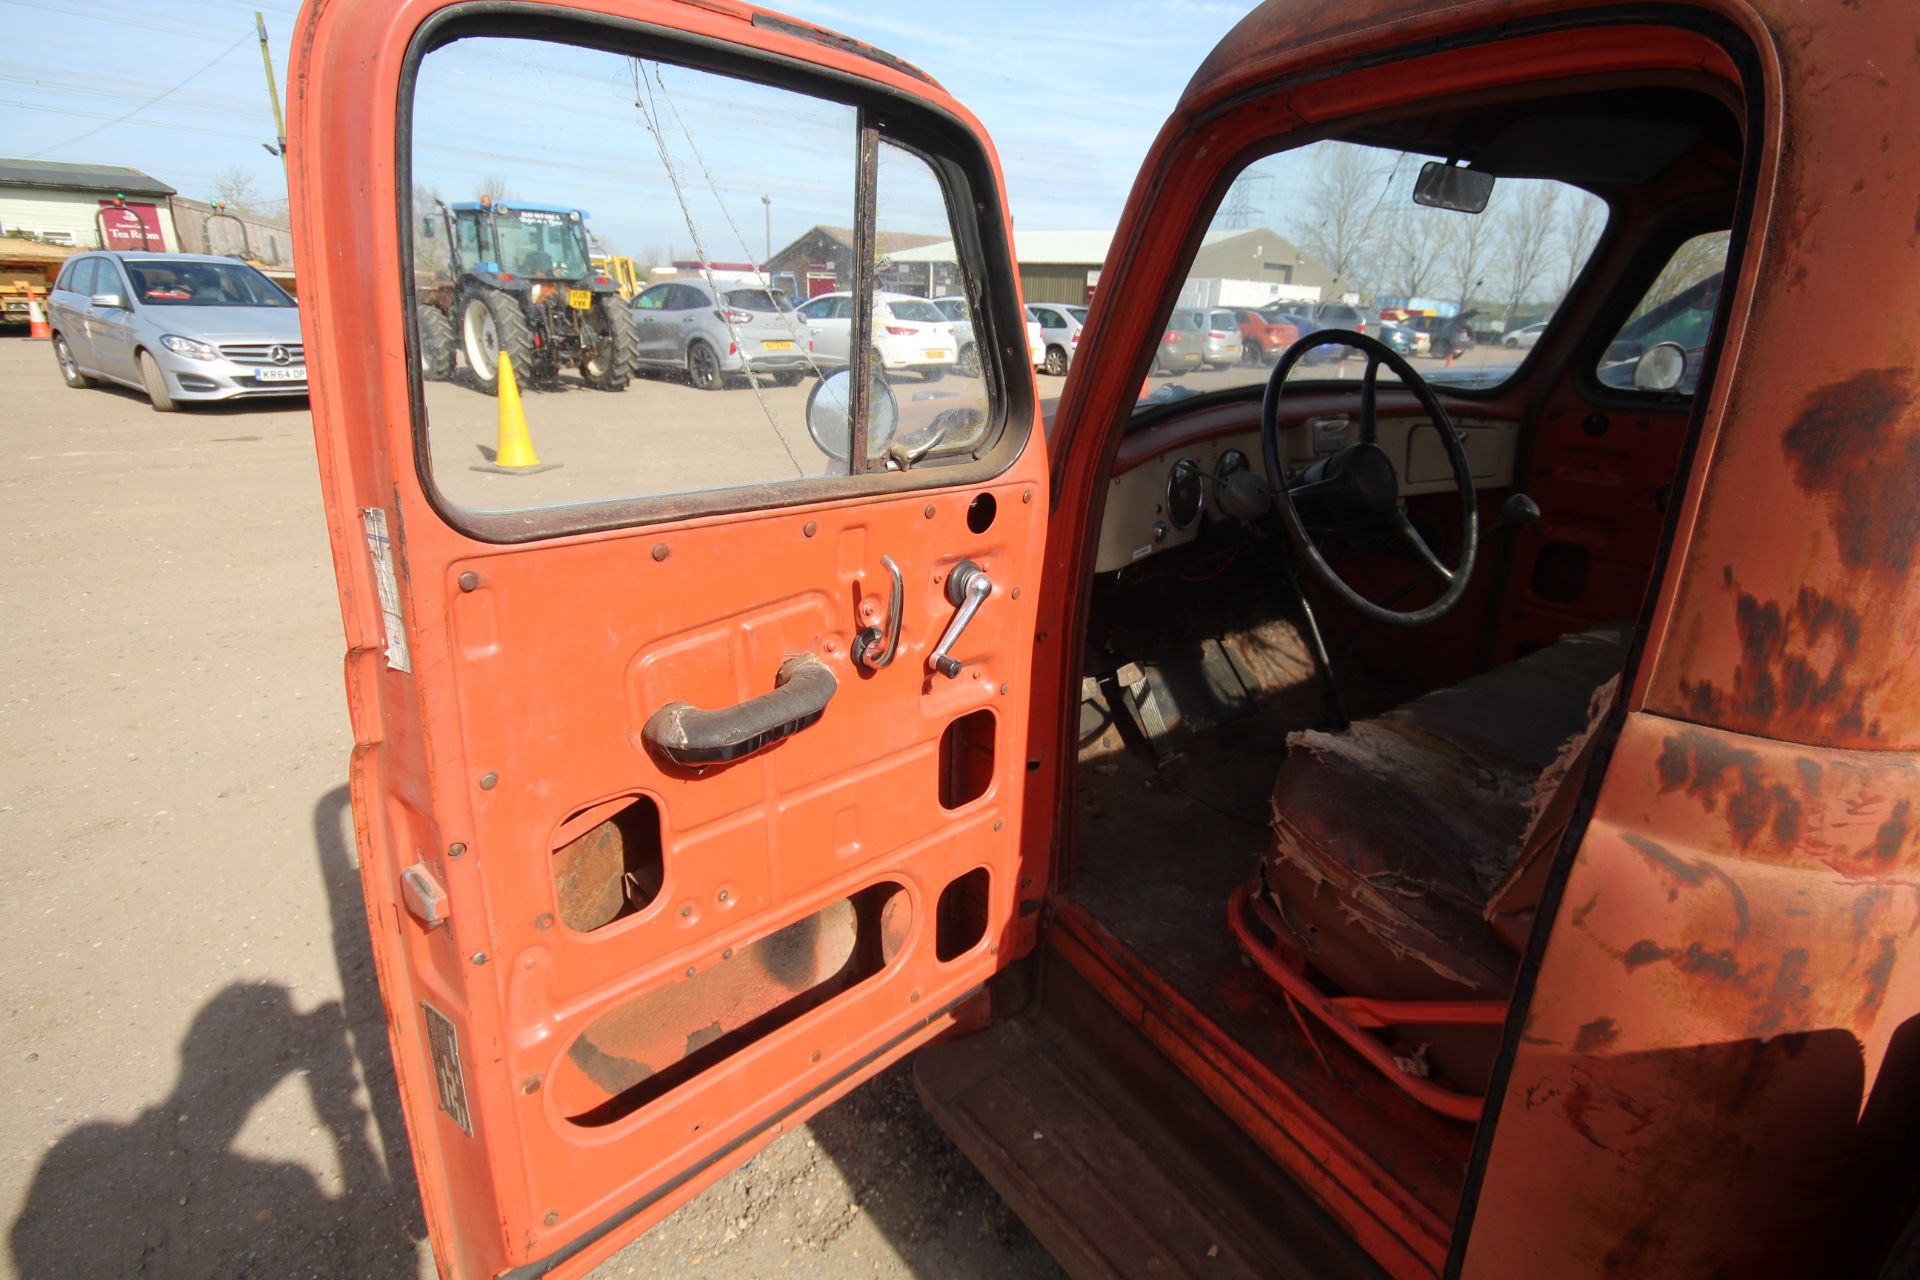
{"points": [[519, 280]]}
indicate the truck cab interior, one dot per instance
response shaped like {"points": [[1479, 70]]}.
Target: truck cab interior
{"points": [[1343, 677]]}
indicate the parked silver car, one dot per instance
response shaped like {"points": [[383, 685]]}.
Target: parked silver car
{"points": [[1060, 327], [179, 326], [1221, 345], [713, 332]]}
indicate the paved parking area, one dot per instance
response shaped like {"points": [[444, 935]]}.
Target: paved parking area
{"points": [[194, 1063]]}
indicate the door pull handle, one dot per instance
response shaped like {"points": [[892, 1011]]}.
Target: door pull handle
{"points": [[874, 647], [682, 734], [967, 586]]}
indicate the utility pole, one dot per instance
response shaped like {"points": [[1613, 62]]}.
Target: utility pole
{"points": [[768, 202], [273, 91]]}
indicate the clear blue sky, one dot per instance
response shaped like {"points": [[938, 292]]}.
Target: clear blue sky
{"points": [[1072, 93]]}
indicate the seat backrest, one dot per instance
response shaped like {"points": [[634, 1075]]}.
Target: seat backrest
{"points": [[1511, 905]]}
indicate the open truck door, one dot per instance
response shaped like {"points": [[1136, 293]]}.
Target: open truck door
{"points": [[690, 725]]}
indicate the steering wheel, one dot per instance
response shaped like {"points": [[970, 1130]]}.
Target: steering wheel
{"points": [[1358, 486]]}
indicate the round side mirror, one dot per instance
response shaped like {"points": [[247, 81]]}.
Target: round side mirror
{"points": [[830, 419], [1660, 367]]}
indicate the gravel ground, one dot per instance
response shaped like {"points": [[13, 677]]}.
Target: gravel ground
{"points": [[194, 1067]]}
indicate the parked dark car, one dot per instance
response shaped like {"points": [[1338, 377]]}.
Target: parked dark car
{"points": [[1446, 335]]}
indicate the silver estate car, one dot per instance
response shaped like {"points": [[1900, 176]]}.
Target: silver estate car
{"points": [[179, 326], [715, 332]]}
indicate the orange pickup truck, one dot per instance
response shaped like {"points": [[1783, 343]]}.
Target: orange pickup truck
{"points": [[1343, 819]]}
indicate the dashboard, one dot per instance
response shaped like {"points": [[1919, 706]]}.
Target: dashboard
{"points": [[1163, 501]]}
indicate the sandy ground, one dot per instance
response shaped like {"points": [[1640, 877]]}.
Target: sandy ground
{"points": [[194, 1068]]}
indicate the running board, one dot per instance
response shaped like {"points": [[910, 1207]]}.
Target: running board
{"points": [[1116, 1162]]}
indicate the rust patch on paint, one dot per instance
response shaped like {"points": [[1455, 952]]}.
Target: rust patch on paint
{"points": [[1892, 833], [1796, 672], [1596, 1036], [1847, 451], [1734, 781], [1879, 974], [1787, 1000]]}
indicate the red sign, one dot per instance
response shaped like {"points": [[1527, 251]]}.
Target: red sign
{"points": [[131, 226]]}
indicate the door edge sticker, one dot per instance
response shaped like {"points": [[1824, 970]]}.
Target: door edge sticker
{"points": [[380, 546]]}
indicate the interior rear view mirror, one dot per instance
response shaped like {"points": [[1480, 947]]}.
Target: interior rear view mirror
{"points": [[1448, 186], [1660, 368]]}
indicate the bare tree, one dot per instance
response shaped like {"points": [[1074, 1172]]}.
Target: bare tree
{"points": [[1580, 223], [1340, 223], [1468, 245], [429, 246], [495, 185], [1691, 263], [1524, 243], [235, 185], [1412, 251]]}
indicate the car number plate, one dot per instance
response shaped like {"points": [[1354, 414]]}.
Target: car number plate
{"points": [[775, 344], [936, 353], [580, 299], [292, 373]]}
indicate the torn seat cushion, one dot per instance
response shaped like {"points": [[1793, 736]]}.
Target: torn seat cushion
{"points": [[1397, 842]]}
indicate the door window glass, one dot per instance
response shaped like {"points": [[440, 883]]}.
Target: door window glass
{"points": [[1328, 236], [1678, 308], [83, 277], [742, 191]]}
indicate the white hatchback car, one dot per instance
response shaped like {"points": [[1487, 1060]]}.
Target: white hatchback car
{"points": [[909, 333]]}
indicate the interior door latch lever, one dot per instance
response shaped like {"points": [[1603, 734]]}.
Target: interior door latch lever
{"points": [[967, 586], [874, 647]]}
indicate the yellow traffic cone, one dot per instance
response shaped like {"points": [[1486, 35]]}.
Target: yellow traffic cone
{"points": [[516, 447], [514, 455]]}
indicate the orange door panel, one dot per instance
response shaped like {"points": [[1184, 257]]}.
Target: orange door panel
{"points": [[653, 866]]}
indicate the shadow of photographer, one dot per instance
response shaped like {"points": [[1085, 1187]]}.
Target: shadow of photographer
{"points": [[167, 1193]]}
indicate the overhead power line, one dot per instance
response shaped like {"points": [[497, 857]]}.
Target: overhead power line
{"points": [[158, 97]]}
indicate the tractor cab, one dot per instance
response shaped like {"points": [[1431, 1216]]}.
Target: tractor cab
{"points": [[1447, 811], [520, 240]]}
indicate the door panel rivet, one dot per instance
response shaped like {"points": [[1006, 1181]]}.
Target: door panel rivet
{"points": [[1016, 593], [927, 511], [1027, 496], [543, 921], [724, 895], [914, 998], [994, 950], [816, 1056], [689, 971], [488, 781], [532, 1085], [660, 551], [1005, 689], [469, 580], [479, 957], [456, 850], [998, 825], [685, 912], [809, 528], [551, 1218], [727, 954]]}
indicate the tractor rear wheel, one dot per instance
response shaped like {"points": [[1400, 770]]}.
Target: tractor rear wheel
{"points": [[609, 344], [492, 324], [437, 361]]}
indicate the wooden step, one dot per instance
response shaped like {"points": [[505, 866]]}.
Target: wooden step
{"points": [[1118, 1164]]}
